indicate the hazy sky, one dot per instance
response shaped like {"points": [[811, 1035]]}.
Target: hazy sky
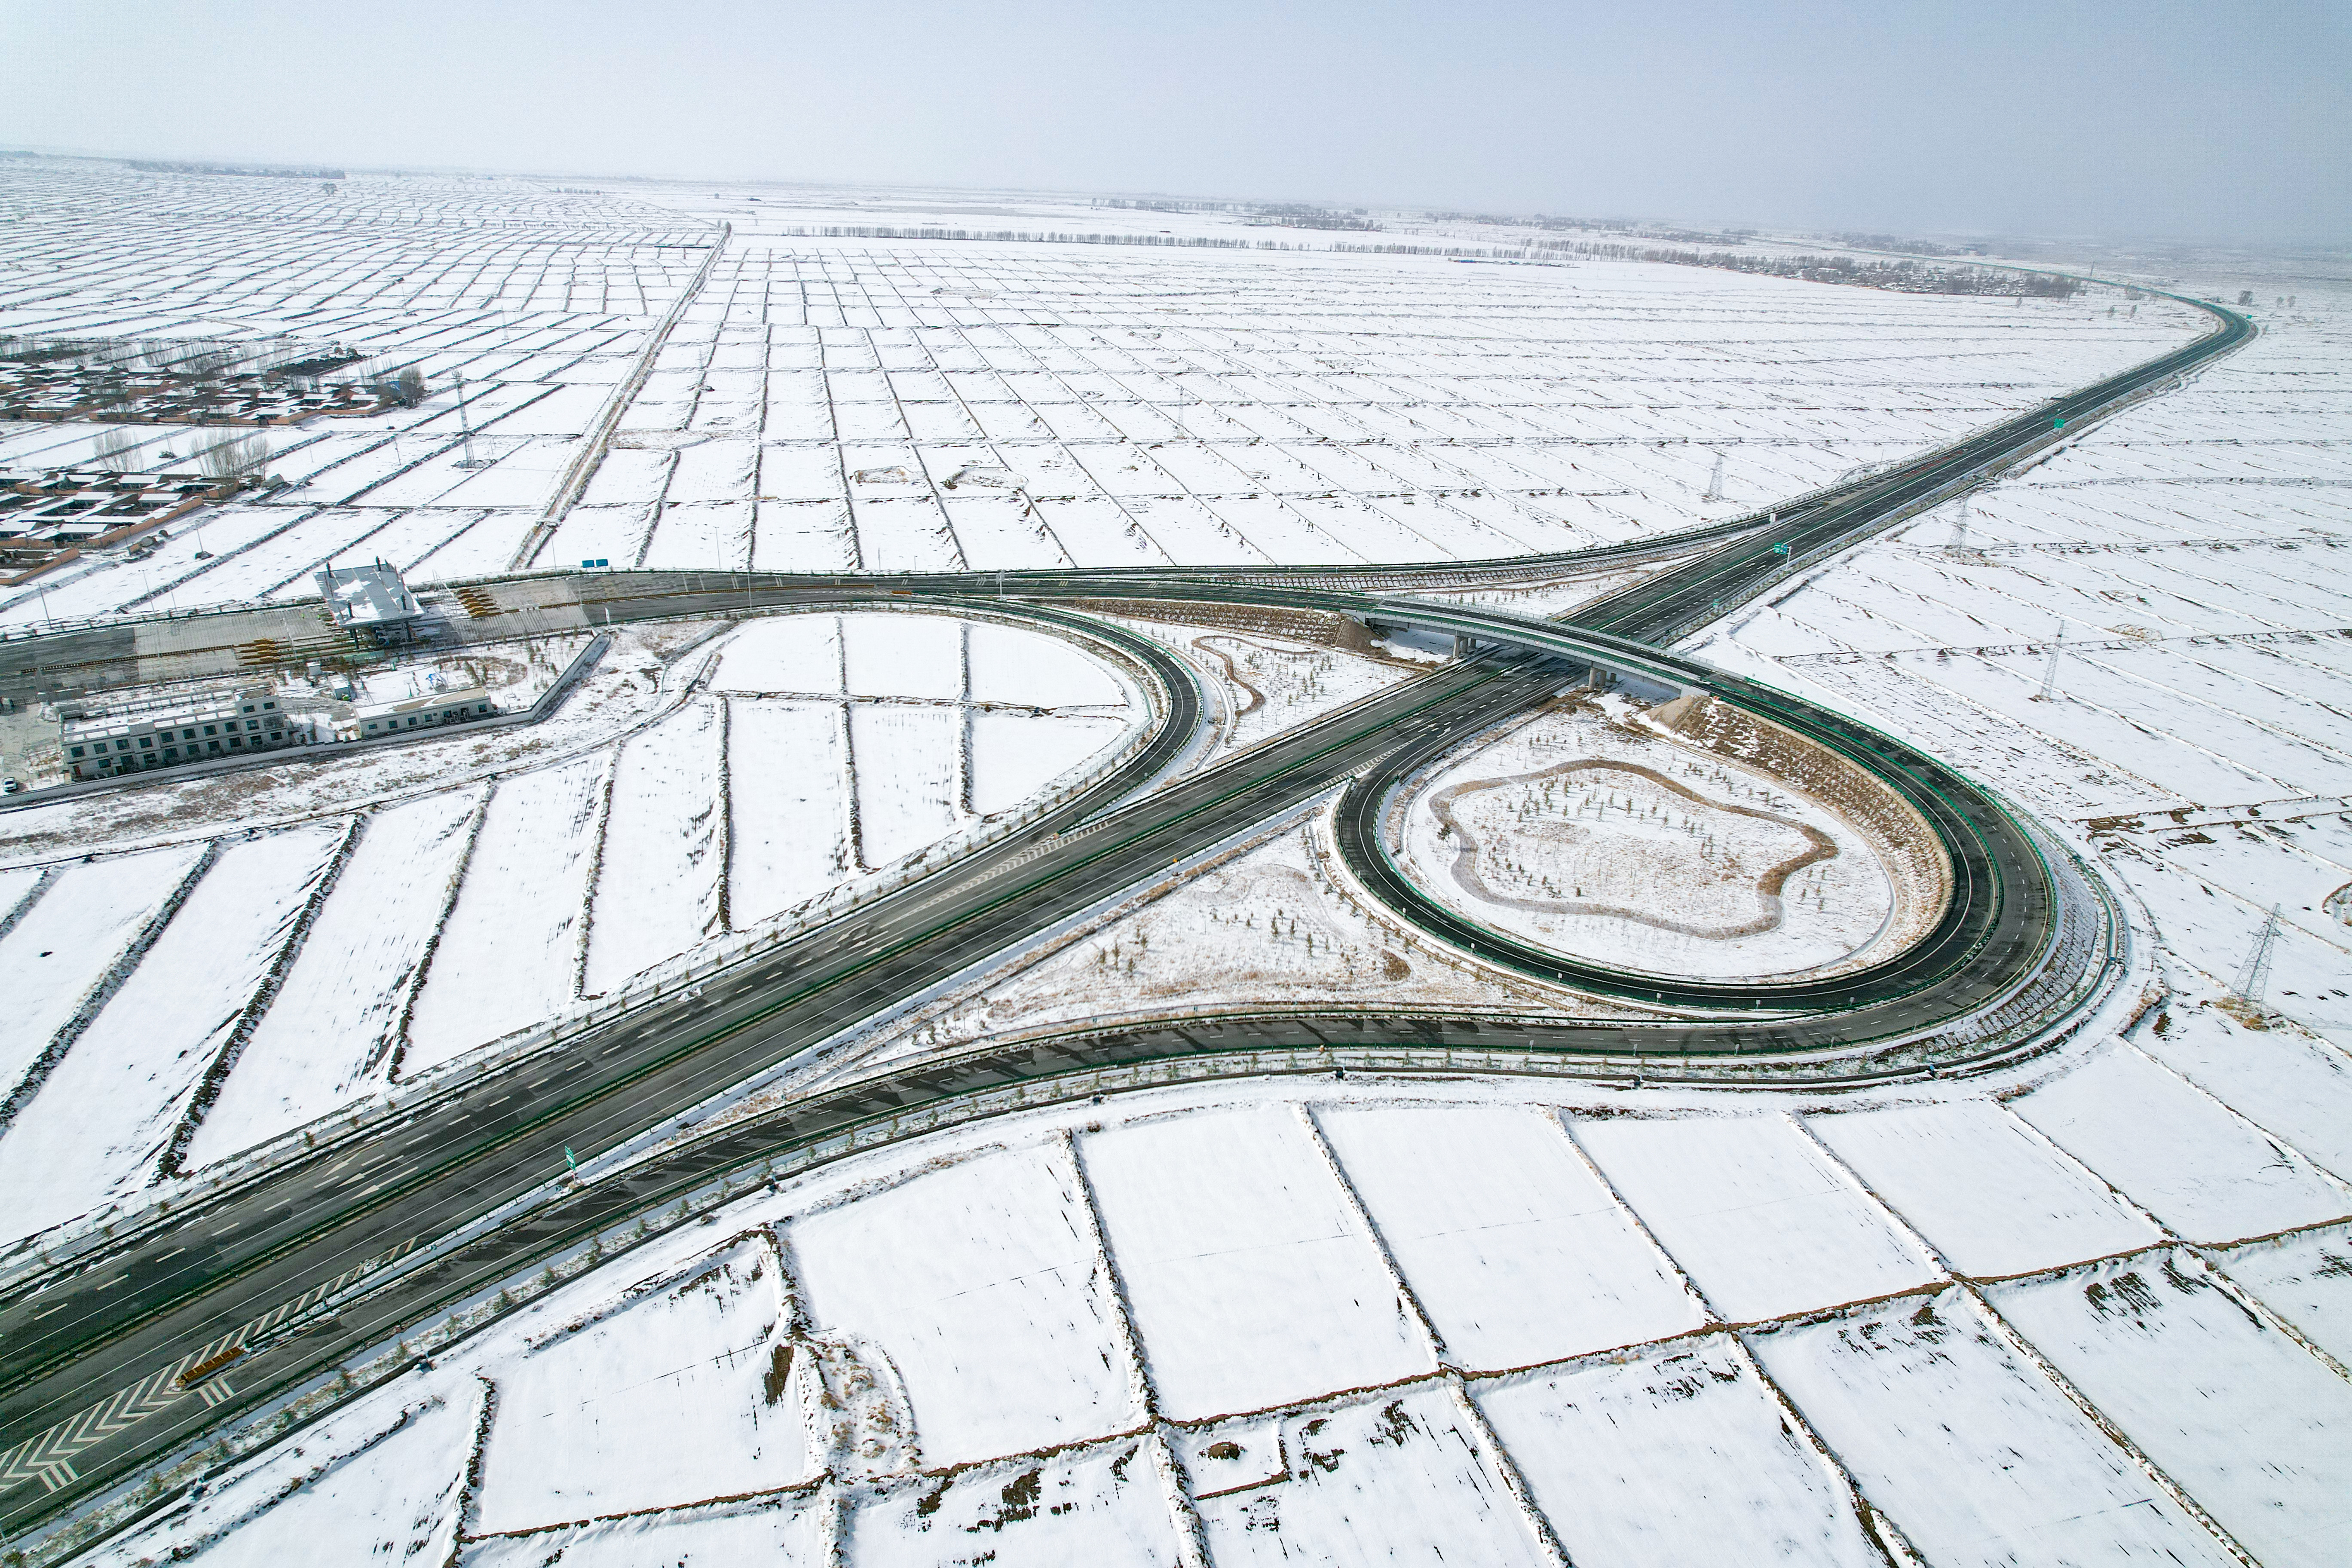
{"points": [[2158, 117]]}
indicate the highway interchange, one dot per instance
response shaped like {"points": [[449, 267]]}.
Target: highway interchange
{"points": [[169, 1290]]}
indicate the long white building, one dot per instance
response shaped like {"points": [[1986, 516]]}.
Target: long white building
{"points": [[212, 725]]}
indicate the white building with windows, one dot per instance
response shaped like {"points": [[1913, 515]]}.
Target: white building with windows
{"points": [[372, 720], [207, 727]]}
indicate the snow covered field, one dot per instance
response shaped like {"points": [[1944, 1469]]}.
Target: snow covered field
{"points": [[2090, 1309], [976, 406], [2080, 1310], [1590, 836], [2190, 551], [390, 914], [1396, 1320], [826, 402]]}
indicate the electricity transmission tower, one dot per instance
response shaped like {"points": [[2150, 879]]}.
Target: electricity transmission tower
{"points": [[465, 422], [2254, 978], [1715, 485], [2050, 676], [1958, 542]]}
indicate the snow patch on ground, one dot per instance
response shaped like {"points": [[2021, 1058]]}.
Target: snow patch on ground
{"points": [[1270, 924], [1661, 1459], [1605, 841], [678, 1396], [105, 1117]]}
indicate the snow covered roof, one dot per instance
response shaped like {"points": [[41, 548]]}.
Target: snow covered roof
{"points": [[370, 595], [420, 702]]}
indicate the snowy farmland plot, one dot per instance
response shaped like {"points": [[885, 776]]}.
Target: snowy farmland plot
{"points": [[822, 404], [1408, 1477], [1662, 1458], [673, 1397], [974, 1286], [386, 927]]}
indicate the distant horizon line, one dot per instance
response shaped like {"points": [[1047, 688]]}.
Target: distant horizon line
{"points": [[1772, 234]]}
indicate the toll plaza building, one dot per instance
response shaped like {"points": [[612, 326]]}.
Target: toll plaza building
{"points": [[218, 724]]}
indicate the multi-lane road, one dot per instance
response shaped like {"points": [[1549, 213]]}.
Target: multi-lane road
{"points": [[82, 1349]]}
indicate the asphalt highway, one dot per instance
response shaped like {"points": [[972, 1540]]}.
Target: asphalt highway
{"points": [[217, 1266]]}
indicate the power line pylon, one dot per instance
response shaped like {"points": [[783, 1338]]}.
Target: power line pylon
{"points": [[465, 422], [2048, 692], [2254, 976]]}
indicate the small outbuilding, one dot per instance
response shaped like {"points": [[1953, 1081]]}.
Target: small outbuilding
{"points": [[370, 721]]}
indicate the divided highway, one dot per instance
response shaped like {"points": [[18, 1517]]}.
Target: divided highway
{"points": [[77, 1343]]}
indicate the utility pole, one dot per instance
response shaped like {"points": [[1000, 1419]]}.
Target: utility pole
{"points": [[2050, 676], [2254, 978], [1714, 484]]}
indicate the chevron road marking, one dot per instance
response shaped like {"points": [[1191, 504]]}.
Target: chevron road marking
{"points": [[48, 1458]]}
